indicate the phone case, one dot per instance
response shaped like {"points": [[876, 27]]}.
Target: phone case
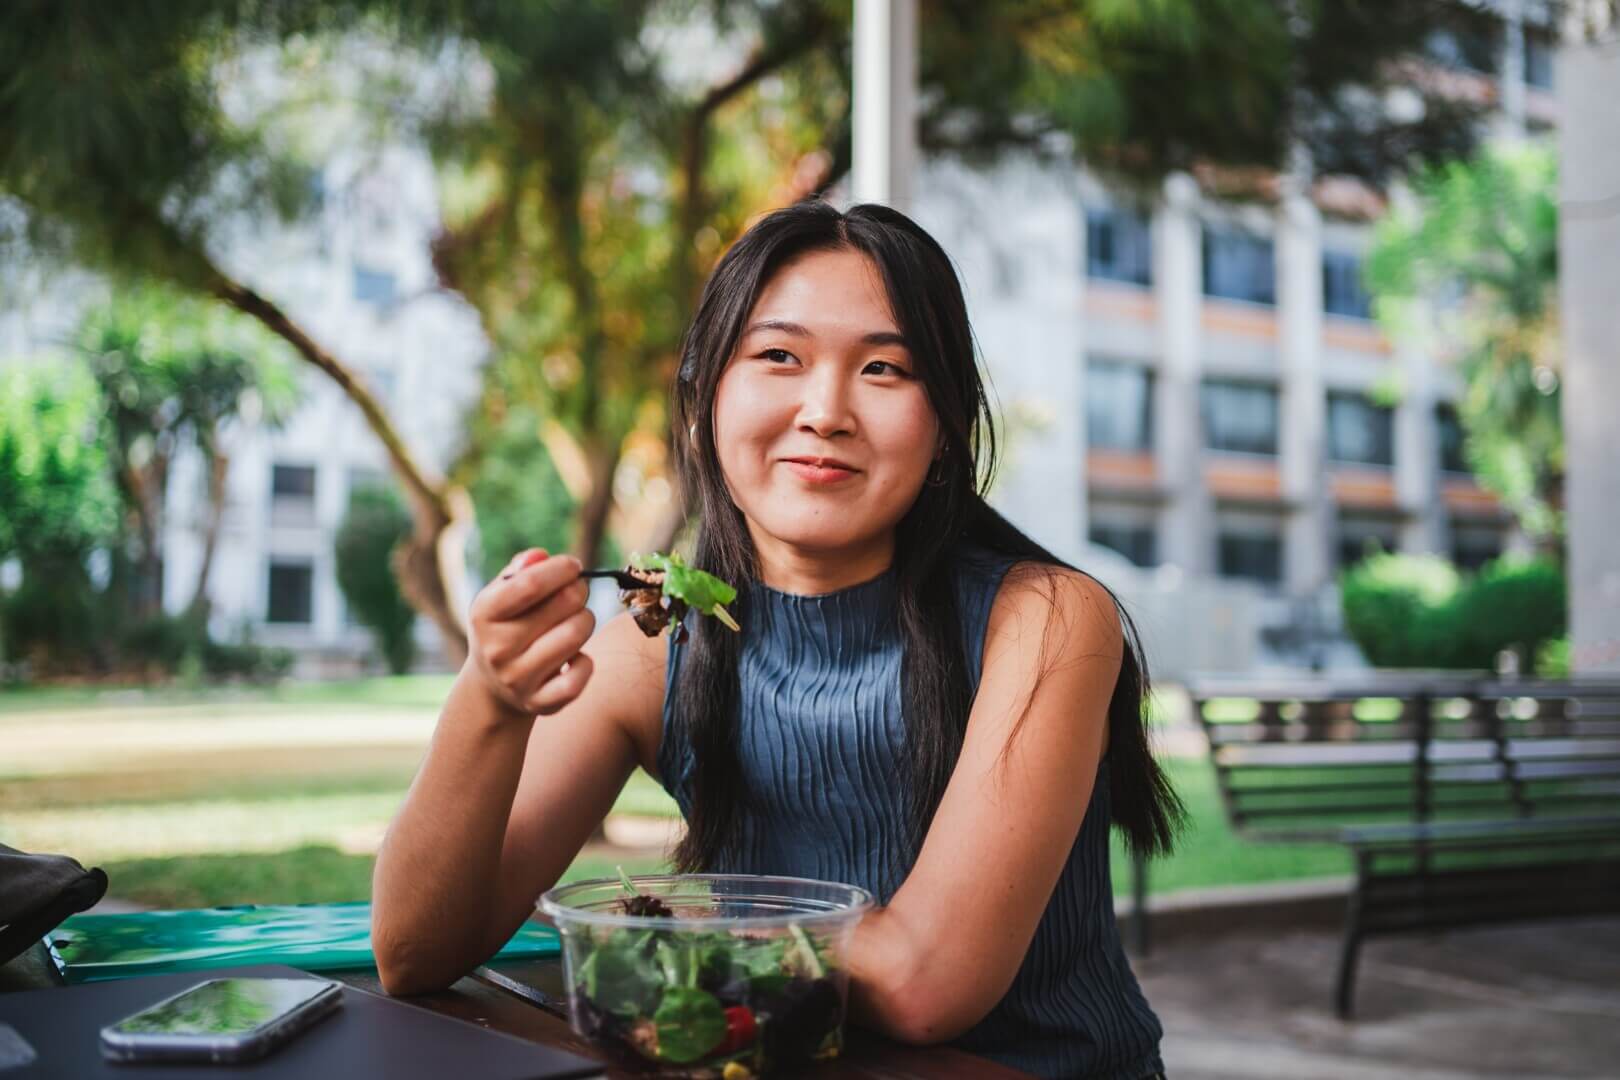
{"points": [[225, 1049]]}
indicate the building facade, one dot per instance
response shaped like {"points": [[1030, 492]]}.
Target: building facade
{"points": [[1198, 383]]}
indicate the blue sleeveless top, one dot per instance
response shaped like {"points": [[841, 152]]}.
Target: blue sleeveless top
{"points": [[821, 740]]}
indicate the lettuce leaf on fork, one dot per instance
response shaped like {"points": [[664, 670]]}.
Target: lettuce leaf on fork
{"points": [[700, 590]]}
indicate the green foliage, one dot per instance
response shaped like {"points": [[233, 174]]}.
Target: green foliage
{"points": [[1553, 659], [1416, 611], [59, 506], [171, 371], [520, 500], [174, 368], [54, 481], [1144, 87], [1388, 604], [85, 448], [165, 644], [54, 620], [1486, 231], [116, 138], [375, 524]]}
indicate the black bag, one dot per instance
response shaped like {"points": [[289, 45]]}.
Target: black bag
{"points": [[37, 892]]}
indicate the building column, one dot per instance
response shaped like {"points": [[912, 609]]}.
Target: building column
{"points": [[1509, 120], [1589, 302], [1186, 534], [885, 92], [1308, 535], [1417, 454]]}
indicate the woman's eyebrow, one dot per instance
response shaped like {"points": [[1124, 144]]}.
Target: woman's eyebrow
{"points": [[783, 326]]}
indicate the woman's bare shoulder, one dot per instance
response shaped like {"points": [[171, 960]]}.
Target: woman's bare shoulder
{"points": [[1041, 604]]}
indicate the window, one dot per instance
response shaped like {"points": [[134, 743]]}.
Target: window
{"points": [[1360, 432], [292, 494], [1119, 406], [374, 286], [1118, 246], [292, 589], [1449, 437], [1342, 293], [1240, 417], [1472, 546], [1138, 543], [1538, 60], [1362, 536], [1470, 43], [1238, 266], [1249, 556], [292, 481]]}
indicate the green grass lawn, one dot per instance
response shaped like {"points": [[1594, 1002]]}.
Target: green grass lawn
{"points": [[404, 691], [1209, 853], [281, 796], [306, 875]]}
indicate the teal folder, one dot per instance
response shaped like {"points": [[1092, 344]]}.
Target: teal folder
{"points": [[313, 937]]}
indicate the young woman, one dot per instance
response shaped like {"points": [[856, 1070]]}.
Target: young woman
{"points": [[922, 700]]}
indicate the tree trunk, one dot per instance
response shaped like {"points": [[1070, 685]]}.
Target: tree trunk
{"points": [[143, 490], [430, 565], [218, 468], [590, 522]]}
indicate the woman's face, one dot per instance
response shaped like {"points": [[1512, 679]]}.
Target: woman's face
{"points": [[824, 431]]}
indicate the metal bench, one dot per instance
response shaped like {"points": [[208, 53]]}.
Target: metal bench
{"points": [[1462, 801]]}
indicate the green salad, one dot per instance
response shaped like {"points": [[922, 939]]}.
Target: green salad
{"points": [[671, 588], [727, 1004]]}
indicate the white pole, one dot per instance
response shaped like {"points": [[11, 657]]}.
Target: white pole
{"points": [[885, 107], [1589, 301]]}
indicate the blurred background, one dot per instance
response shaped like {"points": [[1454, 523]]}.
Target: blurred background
{"points": [[1300, 318]]}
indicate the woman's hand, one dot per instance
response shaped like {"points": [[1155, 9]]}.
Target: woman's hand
{"points": [[525, 631]]}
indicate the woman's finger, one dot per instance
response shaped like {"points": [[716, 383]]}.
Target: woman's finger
{"points": [[563, 688], [529, 586], [553, 649]]}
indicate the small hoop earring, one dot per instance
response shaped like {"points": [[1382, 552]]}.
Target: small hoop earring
{"points": [[691, 435], [936, 475]]}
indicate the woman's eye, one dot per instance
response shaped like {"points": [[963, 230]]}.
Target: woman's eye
{"points": [[883, 367], [777, 356]]}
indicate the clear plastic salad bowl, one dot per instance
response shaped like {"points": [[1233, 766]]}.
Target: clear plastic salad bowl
{"points": [[725, 975]]}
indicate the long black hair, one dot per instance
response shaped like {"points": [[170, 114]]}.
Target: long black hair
{"points": [[926, 300]]}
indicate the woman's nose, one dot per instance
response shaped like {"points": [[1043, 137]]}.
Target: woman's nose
{"points": [[825, 407]]}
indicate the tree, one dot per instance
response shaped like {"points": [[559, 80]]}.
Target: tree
{"points": [[520, 500], [590, 189], [1484, 233], [606, 152], [119, 146], [59, 507], [373, 527], [172, 371]]}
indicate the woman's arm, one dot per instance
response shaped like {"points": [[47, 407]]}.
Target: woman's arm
{"points": [[934, 962], [525, 761]]}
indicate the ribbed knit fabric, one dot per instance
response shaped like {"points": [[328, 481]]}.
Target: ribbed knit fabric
{"points": [[821, 740]]}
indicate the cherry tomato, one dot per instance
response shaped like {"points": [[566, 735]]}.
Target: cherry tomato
{"points": [[741, 1030]]}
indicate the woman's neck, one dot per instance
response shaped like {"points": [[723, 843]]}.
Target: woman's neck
{"points": [[802, 571]]}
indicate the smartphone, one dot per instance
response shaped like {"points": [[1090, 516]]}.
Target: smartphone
{"points": [[222, 1020]]}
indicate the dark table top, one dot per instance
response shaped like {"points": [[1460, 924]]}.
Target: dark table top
{"points": [[480, 1000]]}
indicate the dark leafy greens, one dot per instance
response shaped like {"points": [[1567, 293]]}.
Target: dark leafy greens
{"points": [[689, 585], [707, 999]]}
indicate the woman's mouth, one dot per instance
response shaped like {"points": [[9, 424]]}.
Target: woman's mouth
{"points": [[820, 470]]}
